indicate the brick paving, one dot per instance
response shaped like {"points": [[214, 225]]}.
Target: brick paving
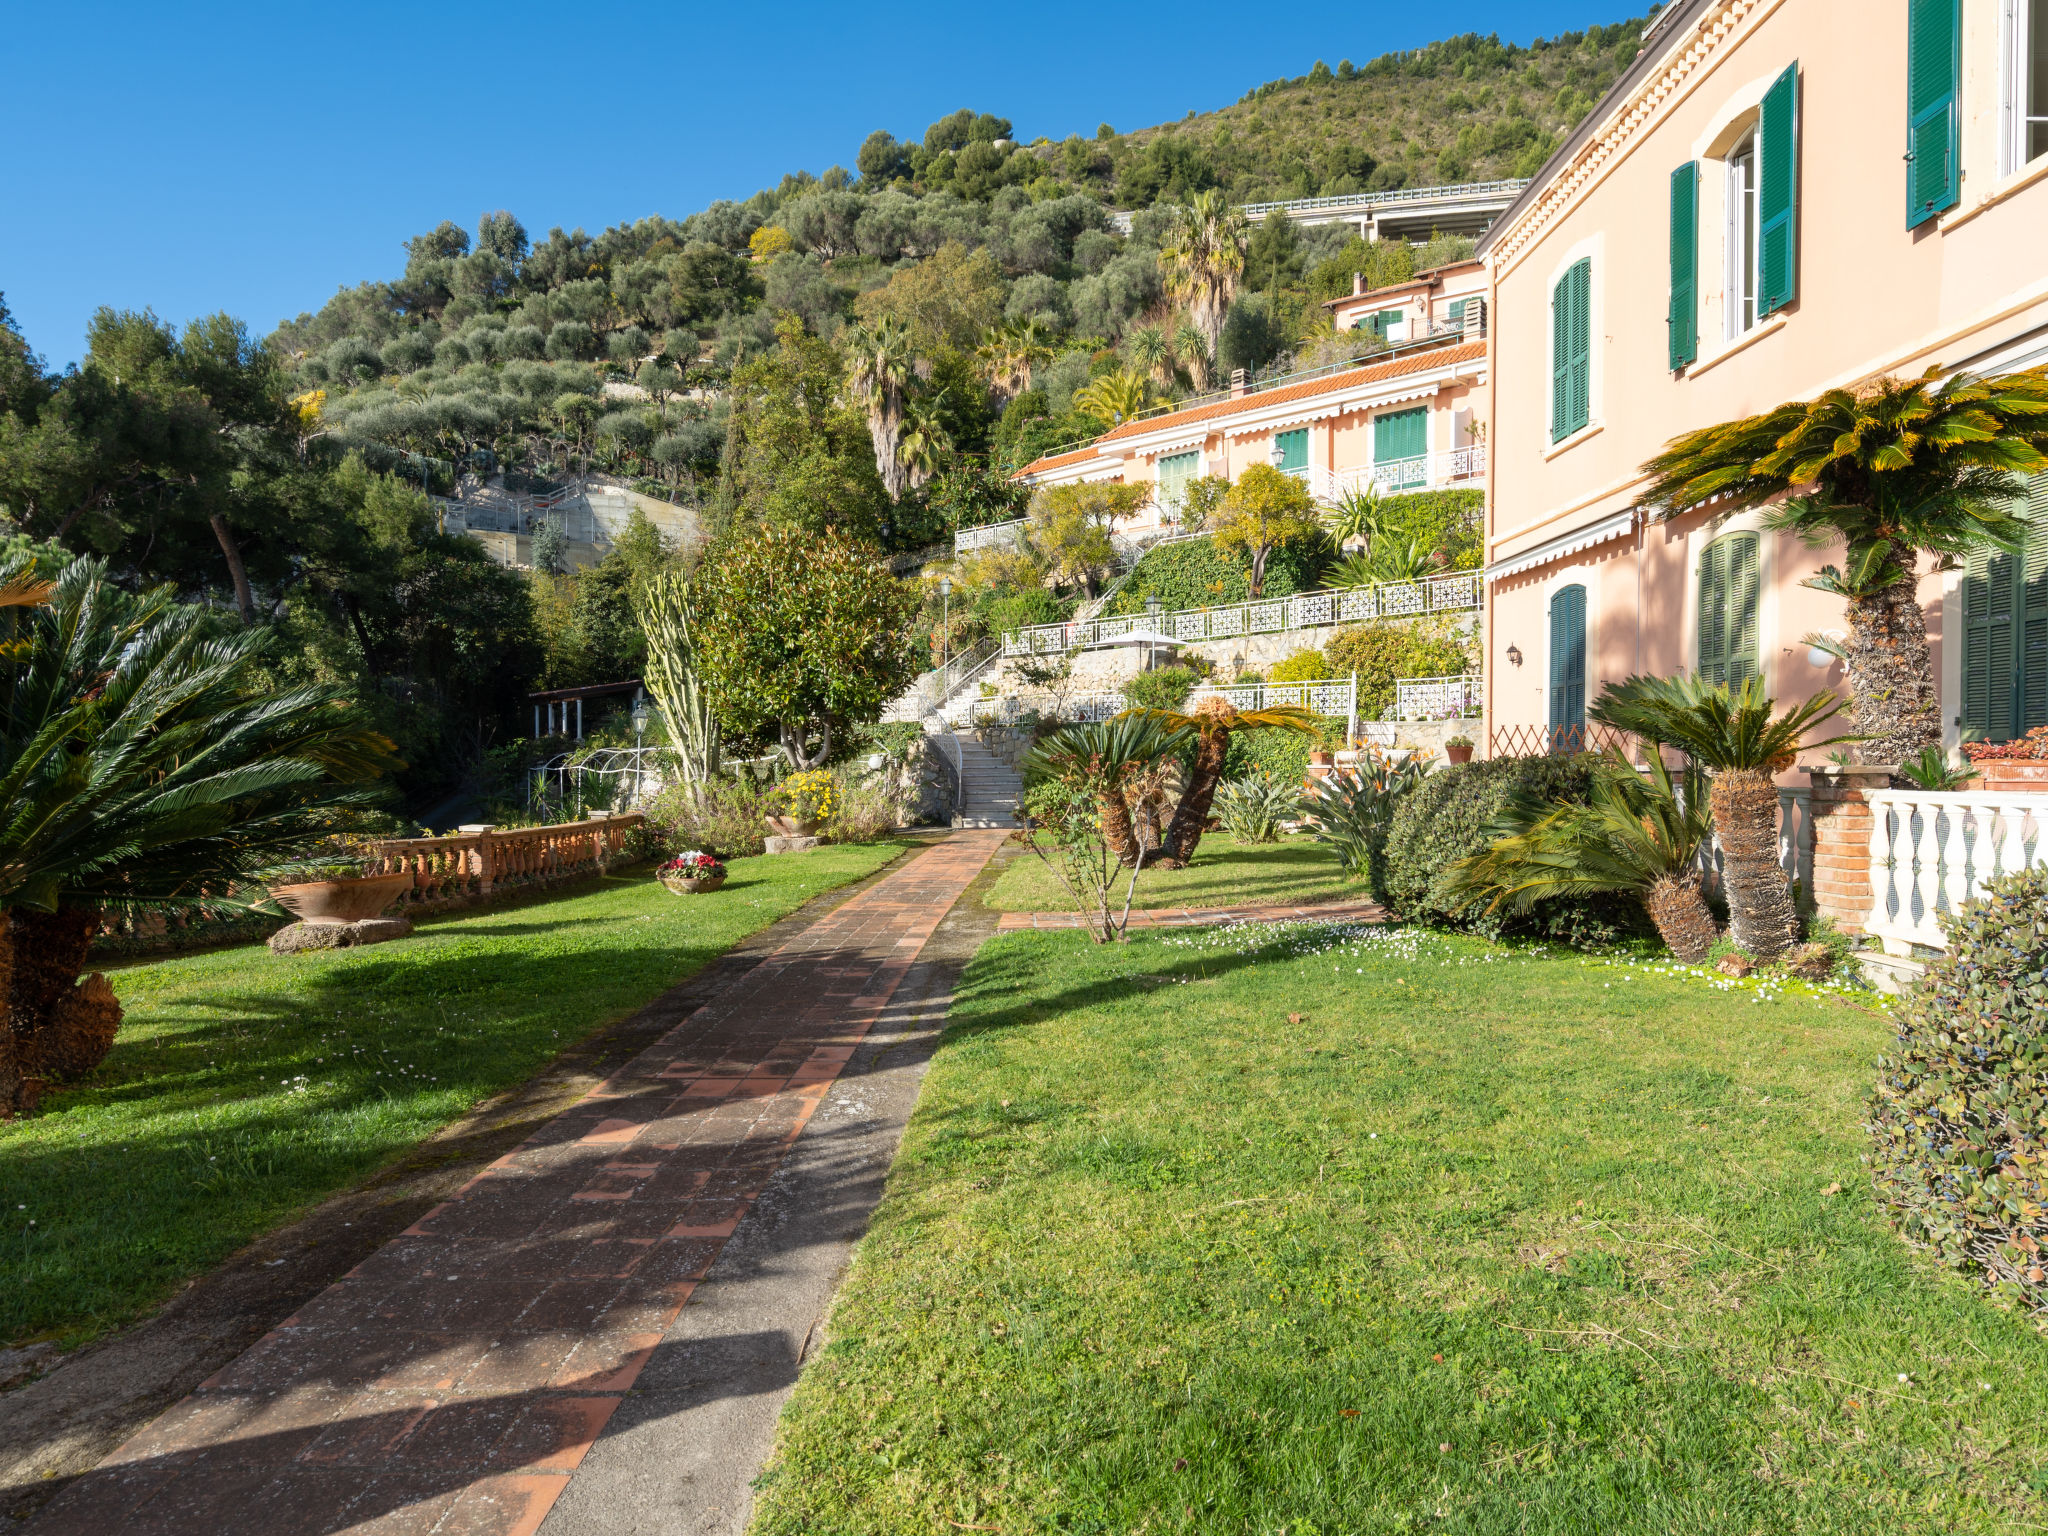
{"points": [[454, 1381], [1200, 917]]}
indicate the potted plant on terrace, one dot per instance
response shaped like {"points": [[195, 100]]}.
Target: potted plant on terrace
{"points": [[2020, 764], [343, 883], [1458, 749], [692, 873], [804, 802]]}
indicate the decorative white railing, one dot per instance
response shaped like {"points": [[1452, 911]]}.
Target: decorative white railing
{"points": [[1008, 535], [1307, 610], [1418, 473], [1930, 853], [1331, 696], [1393, 197], [1437, 698]]}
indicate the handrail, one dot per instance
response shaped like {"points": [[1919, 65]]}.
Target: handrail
{"points": [[1453, 696], [467, 867]]}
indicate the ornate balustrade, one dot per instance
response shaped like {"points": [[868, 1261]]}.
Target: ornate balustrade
{"points": [[1438, 698], [1930, 853], [470, 867]]}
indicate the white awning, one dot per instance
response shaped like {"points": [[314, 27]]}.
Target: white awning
{"points": [[1615, 527]]}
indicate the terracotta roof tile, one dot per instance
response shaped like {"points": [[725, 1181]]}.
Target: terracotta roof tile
{"points": [[1056, 461]]}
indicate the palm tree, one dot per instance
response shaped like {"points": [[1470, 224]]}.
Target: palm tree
{"points": [[144, 764], [1192, 351], [1635, 835], [925, 441], [1896, 469], [1150, 355], [879, 365], [1356, 517], [1734, 734], [1212, 722], [1114, 398], [1104, 761], [1202, 258], [1009, 354]]}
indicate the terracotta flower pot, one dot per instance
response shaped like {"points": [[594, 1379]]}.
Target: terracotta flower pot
{"points": [[791, 826], [692, 885], [1458, 754], [1322, 759], [2012, 776], [321, 902]]}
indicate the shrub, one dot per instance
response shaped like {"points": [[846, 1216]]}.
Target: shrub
{"points": [[1195, 574], [1253, 808], [727, 820], [1380, 653], [868, 810], [1447, 818], [1302, 667], [1162, 688], [1281, 755], [1438, 520], [1959, 1117]]}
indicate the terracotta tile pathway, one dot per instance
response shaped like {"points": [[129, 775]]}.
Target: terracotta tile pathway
{"points": [[1198, 917], [453, 1381]]}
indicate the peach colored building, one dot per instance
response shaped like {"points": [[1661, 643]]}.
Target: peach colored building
{"points": [[1410, 422], [1449, 301], [1732, 227]]}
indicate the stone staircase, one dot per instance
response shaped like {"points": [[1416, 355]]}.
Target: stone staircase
{"points": [[989, 786]]}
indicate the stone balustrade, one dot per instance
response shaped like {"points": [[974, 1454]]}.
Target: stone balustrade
{"points": [[476, 864]]}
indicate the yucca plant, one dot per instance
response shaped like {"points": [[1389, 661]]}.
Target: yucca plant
{"points": [[1896, 469], [1356, 517], [1255, 808], [1636, 834], [143, 765], [1736, 735], [1212, 723]]}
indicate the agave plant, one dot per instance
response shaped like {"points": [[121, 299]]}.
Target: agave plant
{"points": [[1636, 834], [1212, 723], [1352, 812], [143, 765], [1737, 736], [1255, 808]]}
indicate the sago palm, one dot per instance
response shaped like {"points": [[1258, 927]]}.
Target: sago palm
{"points": [[144, 765], [1212, 722], [1736, 735], [1201, 259], [1101, 760], [1636, 835], [1894, 470]]}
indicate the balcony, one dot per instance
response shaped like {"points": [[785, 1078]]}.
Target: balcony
{"points": [[1457, 467]]}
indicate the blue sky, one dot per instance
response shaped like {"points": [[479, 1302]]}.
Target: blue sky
{"points": [[251, 158]]}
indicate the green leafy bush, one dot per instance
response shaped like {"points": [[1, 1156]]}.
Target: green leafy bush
{"points": [[1380, 653], [1438, 520], [1302, 667], [1959, 1118], [1195, 574], [1448, 817], [727, 821], [1282, 755], [1161, 688]]}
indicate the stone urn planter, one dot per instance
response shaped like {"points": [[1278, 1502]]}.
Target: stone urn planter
{"points": [[791, 826], [692, 885], [333, 903]]}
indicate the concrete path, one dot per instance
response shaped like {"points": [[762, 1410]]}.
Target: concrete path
{"points": [[607, 1312], [1202, 917]]}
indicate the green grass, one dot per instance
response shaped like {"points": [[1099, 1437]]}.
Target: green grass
{"points": [[1223, 874], [1488, 1242], [245, 1086]]}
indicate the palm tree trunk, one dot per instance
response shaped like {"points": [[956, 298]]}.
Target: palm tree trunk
{"points": [[62, 1026], [13, 1091], [1117, 831], [1185, 834], [1761, 919], [1680, 913], [1891, 677]]}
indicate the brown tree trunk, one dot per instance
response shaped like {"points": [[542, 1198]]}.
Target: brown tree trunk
{"points": [[59, 1026], [1760, 915], [1185, 834], [244, 599], [1680, 913], [1115, 815], [13, 1091], [1891, 676]]}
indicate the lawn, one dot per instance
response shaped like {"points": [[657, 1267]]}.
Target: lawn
{"points": [[1487, 1241], [245, 1086], [1222, 874]]}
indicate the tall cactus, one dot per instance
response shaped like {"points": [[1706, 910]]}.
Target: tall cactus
{"points": [[671, 673]]}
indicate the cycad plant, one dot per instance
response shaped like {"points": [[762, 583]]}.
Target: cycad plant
{"points": [[1102, 761], [143, 765], [1894, 470], [1636, 834], [1735, 734], [1212, 722]]}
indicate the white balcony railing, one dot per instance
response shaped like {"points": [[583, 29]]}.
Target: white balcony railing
{"points": [[1425, 471], [1307, 610], [1334, 698], [1437, 698], [1008, 535], [1930, 853]]}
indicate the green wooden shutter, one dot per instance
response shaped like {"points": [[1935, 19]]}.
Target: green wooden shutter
{"points": [[1977, 684], [1175, 471], [1455, 314], [1293, 448], [1745, 595], [1713, 620], [1685, 264], [1568, 666], [1571, 352], [1778, 196], [1934, 83], [1400, 435], [2032, 608]]}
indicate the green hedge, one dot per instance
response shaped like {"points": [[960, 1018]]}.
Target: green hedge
{"points": [[1444, 819], [1445, 520], [1432, 646], [1194, 574], [1283, 754]]}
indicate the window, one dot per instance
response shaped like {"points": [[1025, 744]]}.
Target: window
{"points": [[2025, 107], [1742, 236], [1400, 448], [1683, 319], [1934, 82], [1293, 448], [1455, 314], [1175, 471], [2005, 633], [1571, 352], [1730, 590], [1568, 670], [1381, 324]]}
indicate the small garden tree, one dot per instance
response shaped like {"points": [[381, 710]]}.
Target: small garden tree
{"points": [[1070, 528], [802, 634], [1264, 510]]}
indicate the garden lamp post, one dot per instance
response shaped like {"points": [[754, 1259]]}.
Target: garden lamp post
{"points": [[641, 717]]}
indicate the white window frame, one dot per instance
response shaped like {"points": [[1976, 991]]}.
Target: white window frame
{"points": [[2016, 48], [1739, 210]]}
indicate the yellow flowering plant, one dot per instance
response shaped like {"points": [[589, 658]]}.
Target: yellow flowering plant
{"points": [[812, 796]]}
